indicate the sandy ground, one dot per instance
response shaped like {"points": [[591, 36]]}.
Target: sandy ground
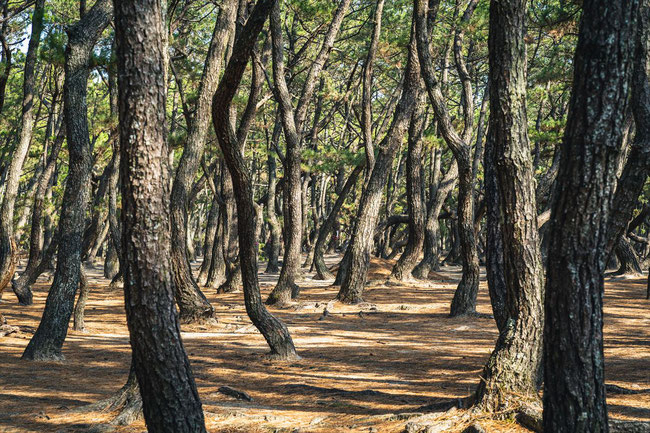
{"points": [[360, 365]]}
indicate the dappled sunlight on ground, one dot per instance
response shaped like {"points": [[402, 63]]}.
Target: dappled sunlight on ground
{"points": [[360, 364]]}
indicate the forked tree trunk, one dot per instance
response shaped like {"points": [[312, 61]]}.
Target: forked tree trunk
{"points": [[48, 340], [354, 280], [511, 373], [574, 385], [8, 253], [170, 401], [274, 331], [411, 255], [192, 303]]}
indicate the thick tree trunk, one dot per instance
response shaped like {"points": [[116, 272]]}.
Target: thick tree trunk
{"points": [[192, 303], [411, 255], [48, 340], [322, 272], [8, 253], [511, 373], [169, 395], [354, 281], [274, 331], [574, 386]]}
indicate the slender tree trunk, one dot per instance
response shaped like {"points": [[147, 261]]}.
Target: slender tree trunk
{"points": [[169, 395], [353, 284], [192, 303], [273, 249], [322, 272], [208, 242], [8, 253], [20, 286], [80, 306], [511, 372], [293, 121], [48, 340], [574, 385], [274, 331], [464, 301], [411, 255]]}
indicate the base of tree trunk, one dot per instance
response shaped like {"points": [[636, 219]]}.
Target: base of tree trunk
{"points": [[233, 282], [127, 402]]}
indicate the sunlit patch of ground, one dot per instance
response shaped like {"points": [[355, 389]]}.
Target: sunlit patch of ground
{"points": [[360, 364]]}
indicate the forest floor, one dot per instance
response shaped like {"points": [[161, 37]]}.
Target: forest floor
{"points": [[363, 368]]}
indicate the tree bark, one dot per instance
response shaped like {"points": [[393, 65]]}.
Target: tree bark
{"points": [[192, 303], [464, 301], [80, 306], [409, 258], [8, 253], [354, 280], [273, 250], [274, 331], [574, 386], [322, 272], [169, 395], [48, 340], [511, 372], [293, 121], [627, 258]]}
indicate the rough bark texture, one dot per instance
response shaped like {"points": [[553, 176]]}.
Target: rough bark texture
{"points": [[192, 304], [274, 331], [464, 301], [354, 281], [273, 250], [512, 369], [8, 253], [293, 120], [80, 306], [574, 387], [49, 337], [169, 396], [20, 286], [322, 272], [409, 258], [627, 258]]}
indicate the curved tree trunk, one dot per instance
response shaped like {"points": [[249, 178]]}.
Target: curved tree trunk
{"points": [[354, 281], [20, 286], [170, 401], [273, 250], [192, 303], [574, 385], [274, 331], [411, 255], [511, 373], [8, 253], [322, 272], [48, 340], [627, 258], [80, 306]]}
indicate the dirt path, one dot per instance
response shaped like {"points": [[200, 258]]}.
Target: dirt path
{"points": [[360, 365]]}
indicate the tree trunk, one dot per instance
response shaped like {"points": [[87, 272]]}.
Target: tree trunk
{"points": [[627, 258], [192, 303], [208, 242], [411, 255], [322, 272], [464, 301], [20, 288], [574, 386], [274, 331], [8, 253], [354, 281], [170, 401], [273, 250], [511, 372], [80, 306], [293, 121], [48, 340]]}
